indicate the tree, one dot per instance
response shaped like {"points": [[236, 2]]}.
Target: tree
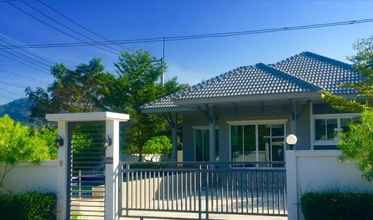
{"points": [[19, 143], [357, 142], [137, 84], [79, 90]]}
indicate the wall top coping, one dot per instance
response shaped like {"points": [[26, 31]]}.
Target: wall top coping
{"points": [[87, 116]]}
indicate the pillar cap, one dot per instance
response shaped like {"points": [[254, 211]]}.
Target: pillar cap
{"points": [[87, 116]]}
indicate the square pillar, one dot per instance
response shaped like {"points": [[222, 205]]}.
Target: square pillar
{"points": [[62, 171], [112, 171]]}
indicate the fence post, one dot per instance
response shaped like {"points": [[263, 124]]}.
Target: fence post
{"points": [[112, 168], [291, 184], [80, 183]]}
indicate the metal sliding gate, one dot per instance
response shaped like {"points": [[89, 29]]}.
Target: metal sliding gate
{"points": [[86, 179], [165, 190]]}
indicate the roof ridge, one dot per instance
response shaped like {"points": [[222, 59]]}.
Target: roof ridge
{"points": [[287, 76], [327, 59]]}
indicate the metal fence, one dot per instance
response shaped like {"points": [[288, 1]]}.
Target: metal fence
{"points": [[242, 188]]}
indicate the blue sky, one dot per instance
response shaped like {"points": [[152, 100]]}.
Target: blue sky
{"points": [[194, 60]]}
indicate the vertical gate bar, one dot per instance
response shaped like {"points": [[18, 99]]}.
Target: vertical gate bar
{"points": [[145, 189], [262, 189], [207, 192], [177, 190], [168, 190], [278, 193], [236, 190], [226, 192], [285, 190], [120, 180], [199, 193], [273, 191], [136, 188], [241, 190], [69, 171], [247, 191], [212, 189], [266, 173], [190, 190], [257, 190], [182, 189], [163, 190], [221, 191], [127, 187], [172, 189], [141, 189], [159, 190], [186, 190]]}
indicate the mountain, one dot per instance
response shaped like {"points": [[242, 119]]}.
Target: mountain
{"points": [[18, 109]]}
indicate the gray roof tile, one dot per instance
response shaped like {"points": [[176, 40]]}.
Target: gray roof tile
{"points": [[305, 72]]}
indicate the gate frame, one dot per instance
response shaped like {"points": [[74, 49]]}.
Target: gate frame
{"points": [[111, 119]]}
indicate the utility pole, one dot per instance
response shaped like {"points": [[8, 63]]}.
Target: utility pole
{"points": [[163, 48]]}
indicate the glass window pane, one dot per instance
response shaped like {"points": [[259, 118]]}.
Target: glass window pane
{"points": [[332, 126], [206, 145], [278, 130], [264, 132], [344, 123], [320, 132], [236, 143], [249, 143], [198, 144]]}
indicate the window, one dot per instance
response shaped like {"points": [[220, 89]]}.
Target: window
{"points": [[326, 127]]}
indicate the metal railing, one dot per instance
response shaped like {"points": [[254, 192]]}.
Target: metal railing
{"points": [[245, 188]]}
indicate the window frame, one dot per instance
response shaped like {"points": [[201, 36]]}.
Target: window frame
{"points": [[338, 117], [281, 121]]}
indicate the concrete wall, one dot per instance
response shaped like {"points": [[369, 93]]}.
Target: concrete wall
{"points": [[244, 112], [317, 171], [28, 177]]}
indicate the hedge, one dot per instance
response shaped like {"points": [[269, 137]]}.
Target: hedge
{"points": [[28, 206], [337, 206]]}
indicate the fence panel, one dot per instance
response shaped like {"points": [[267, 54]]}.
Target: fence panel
{"points": [[204, 188]]}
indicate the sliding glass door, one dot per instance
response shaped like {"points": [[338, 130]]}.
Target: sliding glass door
{"points": [[202, 144], [258, 142]]}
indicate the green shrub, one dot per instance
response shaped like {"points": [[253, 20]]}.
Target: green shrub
{"points": [[28, 206], [337, 206]]}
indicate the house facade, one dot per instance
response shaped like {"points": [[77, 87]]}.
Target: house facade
{"points": [[246, 114]]}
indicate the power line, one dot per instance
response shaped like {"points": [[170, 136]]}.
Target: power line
{"points": [[14, 56], [195, 36], [6, 40], [73, 21], [11, 3], [13, 85]]}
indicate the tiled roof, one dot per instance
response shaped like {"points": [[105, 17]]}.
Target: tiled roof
{"points": [[321, 71], [303, 73]]}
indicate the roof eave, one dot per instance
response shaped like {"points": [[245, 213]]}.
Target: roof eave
{"points": [[251, 98]]}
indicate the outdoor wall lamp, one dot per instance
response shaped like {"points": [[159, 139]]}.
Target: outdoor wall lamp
{"points": [[108, 141], [60, 141], [291, 140]]}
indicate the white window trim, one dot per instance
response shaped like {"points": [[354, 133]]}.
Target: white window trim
{"points": [[256, 123], [338, 116]]}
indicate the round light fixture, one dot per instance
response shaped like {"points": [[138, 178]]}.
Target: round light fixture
{"points": [[291, 139]]}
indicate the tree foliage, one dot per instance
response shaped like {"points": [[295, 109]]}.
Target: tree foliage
{"points": [[90, 88], [357, 142], [79, 90], [19, 143], [158, 145]]}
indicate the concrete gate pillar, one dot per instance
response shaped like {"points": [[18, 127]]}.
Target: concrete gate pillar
{"points": [[112, 163]]}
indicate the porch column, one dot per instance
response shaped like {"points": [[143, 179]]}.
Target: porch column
{"points": [[294, 117], [212, 125], [173, 124]]}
